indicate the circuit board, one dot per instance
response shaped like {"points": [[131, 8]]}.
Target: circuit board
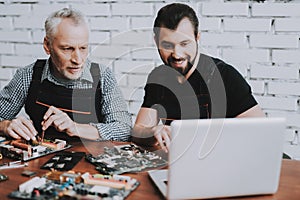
{"points": [[76, 186], [125, 158], [21, 150]]}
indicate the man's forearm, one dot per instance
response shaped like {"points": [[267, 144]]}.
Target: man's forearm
{"points": [[87, 131], [143, 135]]}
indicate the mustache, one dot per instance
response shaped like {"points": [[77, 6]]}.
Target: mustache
{"points": [[172, 59]]}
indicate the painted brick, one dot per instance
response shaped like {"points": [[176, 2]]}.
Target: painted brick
{"points": [[15, 36], [26, 1], [292, 150], [6, 23], [242, 68], [210, 24], [247, 55], [146, 53], [130, 9], [257, 87], [38, 36], [276, 9], [6, 73], [283, 88], [287, 24], [133, 67], [138, 94], [224, 39], [97, 37], [132, 93], [122, 80], [274, 41], [133, 38], [137, 80], [3, 84], [134, 108], [46, 9], [15, 9], [277, 103], [292, 118], [209, 50], [116, 23], [142, 23], [290, 135], [29, 22], [225, 9], [94, 9], [286, 56], [104, 1], [274, 72], [6, 48], [231, 24], [116, 51], [17, 61], [30, 49]]}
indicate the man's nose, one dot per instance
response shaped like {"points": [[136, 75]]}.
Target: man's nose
{"points": [[76, 56], [177, 52]]}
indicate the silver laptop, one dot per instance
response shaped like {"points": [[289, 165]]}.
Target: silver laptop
{"points": [[214, 158]]}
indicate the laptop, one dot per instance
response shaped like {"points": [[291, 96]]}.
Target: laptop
{"points": [[214, 158]]}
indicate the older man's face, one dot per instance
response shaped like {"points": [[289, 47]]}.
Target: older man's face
{"points": [[68, 49]]}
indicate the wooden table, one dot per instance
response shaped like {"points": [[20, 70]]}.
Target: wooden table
{"points": [[289, 187]]}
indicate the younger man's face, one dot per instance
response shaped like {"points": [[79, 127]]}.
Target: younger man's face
{"points": [[178, 48]]}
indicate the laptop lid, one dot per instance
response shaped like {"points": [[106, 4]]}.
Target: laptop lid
{"points": [[224, 157]]}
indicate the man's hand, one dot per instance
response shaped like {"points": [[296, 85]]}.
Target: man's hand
{"points": [[162, 135], [20, 128], [60, 121]]}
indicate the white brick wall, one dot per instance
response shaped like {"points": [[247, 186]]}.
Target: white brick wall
{"points": [[271, 72], [274, 41], [287, 24], [261, 40], [276, 9], [242, 24], [225, 9]]}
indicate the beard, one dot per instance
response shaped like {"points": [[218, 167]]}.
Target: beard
{"points": [[183, 70]]}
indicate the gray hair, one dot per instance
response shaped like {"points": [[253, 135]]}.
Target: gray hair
{"points": [[55, 18]]}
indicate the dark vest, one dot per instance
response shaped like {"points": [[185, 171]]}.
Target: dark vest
{"points": [[86, 101]]}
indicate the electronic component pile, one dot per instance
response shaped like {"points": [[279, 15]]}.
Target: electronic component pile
{"points": [[71, 185], [125, 158], [23, 150]]}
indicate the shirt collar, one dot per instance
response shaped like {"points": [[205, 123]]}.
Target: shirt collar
{"points": [[85, 76]]}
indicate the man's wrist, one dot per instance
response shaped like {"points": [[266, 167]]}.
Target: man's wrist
{"points": [[3, 127]]}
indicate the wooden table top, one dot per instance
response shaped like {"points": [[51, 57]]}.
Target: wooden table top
{"points": [[289, 186]]}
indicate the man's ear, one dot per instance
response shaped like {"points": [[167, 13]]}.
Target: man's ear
{"points": [[198, 37], [155, 37], [46, 45]]}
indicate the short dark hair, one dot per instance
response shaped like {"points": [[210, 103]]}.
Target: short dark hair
{"points": [[170, 15]]}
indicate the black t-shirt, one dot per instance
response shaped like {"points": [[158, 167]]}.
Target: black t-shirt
{"points": [[214, 90]]}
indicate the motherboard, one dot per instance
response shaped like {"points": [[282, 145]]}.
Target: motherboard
{"points": [[71, 185], [28, 150], [125, 158]]}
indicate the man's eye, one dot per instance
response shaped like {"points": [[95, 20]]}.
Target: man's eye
{"points": [[67, 49], [167, 46], [185, 44]]}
